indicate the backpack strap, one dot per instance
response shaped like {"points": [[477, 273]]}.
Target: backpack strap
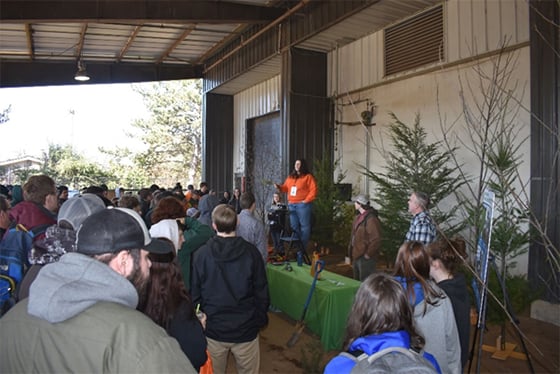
{"points": [[360, 355], [39, 229], [409, 352], [352, 355]]}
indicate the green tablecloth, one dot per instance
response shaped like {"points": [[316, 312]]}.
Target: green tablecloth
{"points": [[329, 306]]}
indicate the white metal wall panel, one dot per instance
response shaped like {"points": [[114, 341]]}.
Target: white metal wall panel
{"points": [[494, 20], [479, 22], [368, 52], [478, 26], [354, 80], [464, 20], [471, 27], [256, 101], [345, 68], [522, 18], [451, 19]]}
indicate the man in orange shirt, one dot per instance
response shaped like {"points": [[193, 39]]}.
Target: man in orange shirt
{"points": [[301, 188]]}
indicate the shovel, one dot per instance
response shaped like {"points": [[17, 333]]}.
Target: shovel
{"points": [[319, 265]]}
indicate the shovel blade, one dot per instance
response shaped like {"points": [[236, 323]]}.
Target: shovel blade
{"points": [[295, 336]]}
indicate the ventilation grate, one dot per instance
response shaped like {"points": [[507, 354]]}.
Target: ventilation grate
{"points": [[415, 42]]}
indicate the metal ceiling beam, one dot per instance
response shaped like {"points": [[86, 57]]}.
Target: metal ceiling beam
{"points": [[20, 74], [168, 11], [80, 44], [259, 33], [29, 39], [178, 41], [128, 42]]}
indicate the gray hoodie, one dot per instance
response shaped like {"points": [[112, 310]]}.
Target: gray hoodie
{"points": [[80, 317], [66, 288]]}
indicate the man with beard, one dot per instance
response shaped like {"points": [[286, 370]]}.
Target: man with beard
{"points": [[81, 315]]}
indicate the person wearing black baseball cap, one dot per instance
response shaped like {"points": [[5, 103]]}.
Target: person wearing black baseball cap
{"points": [[81, 312]]}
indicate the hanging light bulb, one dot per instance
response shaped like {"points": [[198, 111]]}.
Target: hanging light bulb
{"points": [[81, 74]]}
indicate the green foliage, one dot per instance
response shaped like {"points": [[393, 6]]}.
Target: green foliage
{"points": [[328, 203], [173, 133], [124, 170], [67, 167], [343, 231], [519, 293], [508, 238], [412, 165], [22, 175]]}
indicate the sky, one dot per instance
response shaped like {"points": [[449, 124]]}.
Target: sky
{"points": [[84, 116]]}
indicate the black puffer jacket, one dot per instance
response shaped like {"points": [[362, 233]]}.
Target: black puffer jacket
{"points": [[229, 281]]}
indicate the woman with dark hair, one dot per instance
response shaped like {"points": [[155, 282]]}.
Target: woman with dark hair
{"points": [[380, 319], [62, 193], [302, 190], [446, 257], [226, 197], [234, 201], [168, 304], [433, 312]]}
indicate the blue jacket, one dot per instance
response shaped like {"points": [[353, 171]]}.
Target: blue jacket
{"points": [[372, 344]]}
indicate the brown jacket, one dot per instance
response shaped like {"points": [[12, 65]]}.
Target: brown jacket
{"points": [[366, 235]]}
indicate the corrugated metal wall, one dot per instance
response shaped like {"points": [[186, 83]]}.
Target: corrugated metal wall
{"points": [[306, 112], [217, 169], [254, 102], [472, 28], [277, 40], [545, 159], [476, 27]]}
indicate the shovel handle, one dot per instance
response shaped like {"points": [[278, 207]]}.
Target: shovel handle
{"points": [[319, 266]]}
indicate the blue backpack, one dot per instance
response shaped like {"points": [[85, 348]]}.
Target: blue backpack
{"points": [[14, 251]]}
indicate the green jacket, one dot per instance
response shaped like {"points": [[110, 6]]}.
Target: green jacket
{"points": [[196, 235]]}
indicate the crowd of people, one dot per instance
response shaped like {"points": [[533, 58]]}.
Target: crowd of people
{"points": [[187, 269], [121, 284]]}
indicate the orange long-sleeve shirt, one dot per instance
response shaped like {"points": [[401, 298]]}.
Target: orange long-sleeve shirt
{"points": [[300, 190]]}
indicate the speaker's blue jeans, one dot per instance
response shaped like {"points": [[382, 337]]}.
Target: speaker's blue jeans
{"points": [[300, 221]]}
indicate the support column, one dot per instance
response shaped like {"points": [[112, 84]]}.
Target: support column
{"points": [[217, 141], [306, 115]]}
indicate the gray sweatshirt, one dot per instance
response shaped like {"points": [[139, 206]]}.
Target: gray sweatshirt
{"points": [[80, 317]]}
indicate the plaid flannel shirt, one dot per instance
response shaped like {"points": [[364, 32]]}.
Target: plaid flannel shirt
{"points": [[422, 228]]}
